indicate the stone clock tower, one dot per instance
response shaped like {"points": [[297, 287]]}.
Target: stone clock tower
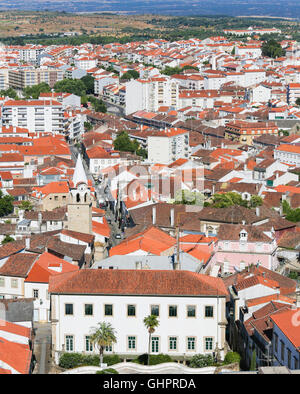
{"points": [[80, 203]]}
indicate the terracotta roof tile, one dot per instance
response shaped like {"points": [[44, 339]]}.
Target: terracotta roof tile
{"points": [[137, 282]]}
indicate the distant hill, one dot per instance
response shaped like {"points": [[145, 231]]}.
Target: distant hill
{"points": [[277, 8]]}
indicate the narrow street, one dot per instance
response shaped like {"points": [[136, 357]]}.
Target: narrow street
{"points": [[42, 348]]}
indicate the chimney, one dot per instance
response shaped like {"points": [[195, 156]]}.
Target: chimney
{"points": [[172, 217], [154, 215], [257, 211], [27, 243], [40, 217]]}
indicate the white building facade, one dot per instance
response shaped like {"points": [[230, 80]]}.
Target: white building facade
{"points": [[189, 323]]}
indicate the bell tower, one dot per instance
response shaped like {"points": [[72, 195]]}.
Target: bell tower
{"points": [[80, 203]]}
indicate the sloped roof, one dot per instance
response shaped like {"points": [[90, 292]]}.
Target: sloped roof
{"points": [[137, 282]]}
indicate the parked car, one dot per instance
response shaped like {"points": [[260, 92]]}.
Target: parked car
{"points": [[108, 221], [118, 236]]}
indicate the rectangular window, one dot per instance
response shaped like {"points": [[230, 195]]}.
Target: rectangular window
{"points": [[155, 344], [172, 343], [131, 343], [14, 283], [69, 343], [191, 311], [88, 344], [108, 310], [68, 309], [2, 282], [296, 363], [88, 309], [108, 348], [130, 310], [209, 343], [289, 357], [173, 311], [282, 351], [276, 343], [35, 293], [191, 341], [155, 310], [209, 311]]}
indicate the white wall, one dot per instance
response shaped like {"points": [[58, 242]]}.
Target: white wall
{"points": [[181, 326]]}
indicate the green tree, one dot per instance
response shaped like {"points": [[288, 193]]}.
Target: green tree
{"points": [[150, 322], [7, 239], [26, 205], [101, 336], [293, 215], [142, 152], [124, 144], [255, 201], [272, 48], [6, 204], [88, 126], [224, 200], [75, 86], [9, 93], [298, 101], [293, 275], [35, 91], [130, 74], [88, 81], [187, 197], [232, 357], [253, 361], [171, 70]]}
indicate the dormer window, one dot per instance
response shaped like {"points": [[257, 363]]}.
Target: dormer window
{"points": [[243, 235]]}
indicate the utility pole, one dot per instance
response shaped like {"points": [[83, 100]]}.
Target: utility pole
{"points": [[177, 264]]}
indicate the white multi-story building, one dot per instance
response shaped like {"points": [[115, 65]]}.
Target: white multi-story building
{"points": [[30, 53], [190, 308], [293, 93], [85, 62], [287, 153], [168, 145], [4, 78], [104, 80], [34, 115], [151, 94]]}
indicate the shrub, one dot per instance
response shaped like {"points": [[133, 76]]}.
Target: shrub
{"points": [[154, 359], [107, 371], [70, 360], [201, 360], [111, 359], [74, 360], [232, 357]]}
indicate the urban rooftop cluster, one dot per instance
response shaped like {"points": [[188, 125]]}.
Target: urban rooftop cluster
{"points": [[151, 186]]}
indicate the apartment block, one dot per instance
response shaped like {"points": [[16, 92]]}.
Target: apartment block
{"points": [[168, 145], [151, 94], [34, 115]]}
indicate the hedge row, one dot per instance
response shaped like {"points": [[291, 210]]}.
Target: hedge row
{"points": [[74, 360]]}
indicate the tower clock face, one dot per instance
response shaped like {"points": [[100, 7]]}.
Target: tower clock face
{"points": [[82, 187]]}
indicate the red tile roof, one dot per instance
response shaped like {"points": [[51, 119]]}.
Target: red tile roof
{"points": [[15, 355], [288, 323], [137, 282], [43, 268]]}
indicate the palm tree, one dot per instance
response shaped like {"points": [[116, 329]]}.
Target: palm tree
{"points": [[102, 336], [150, 323]]}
